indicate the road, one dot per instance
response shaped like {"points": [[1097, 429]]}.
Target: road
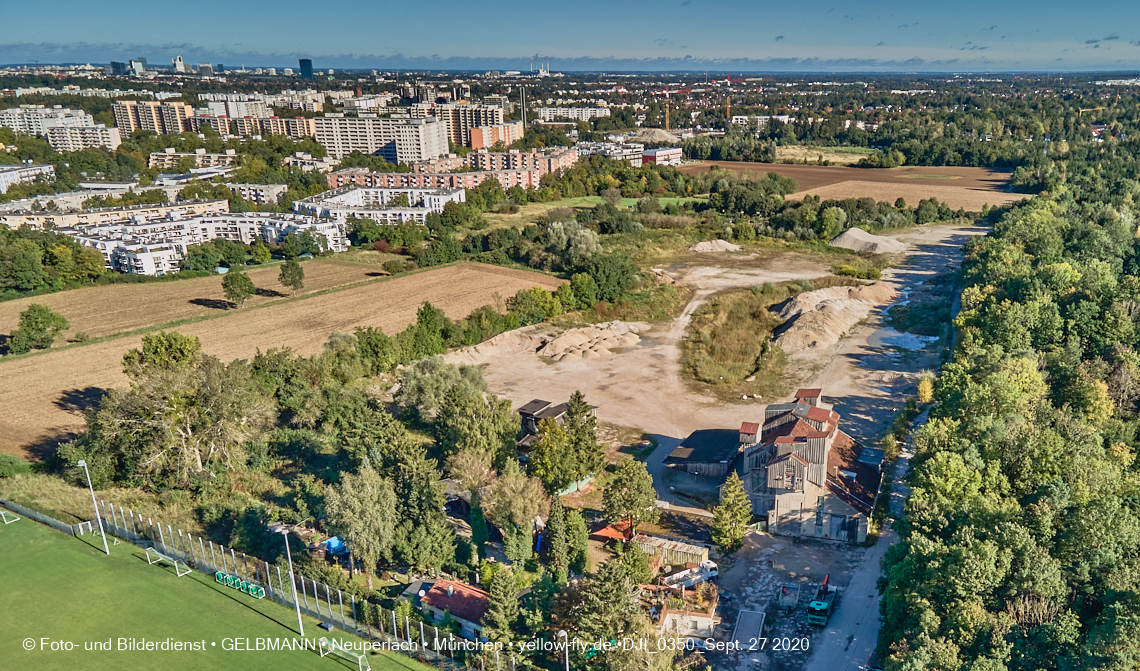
{"points": [[655, 464], [851, 635]]}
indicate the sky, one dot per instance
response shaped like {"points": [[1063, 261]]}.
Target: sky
{"points": [[589, 35]]}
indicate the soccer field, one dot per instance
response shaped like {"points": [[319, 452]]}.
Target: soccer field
{"points": [[60, 588]]}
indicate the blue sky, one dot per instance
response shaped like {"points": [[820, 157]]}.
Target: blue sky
{"points": [[717, 35]]}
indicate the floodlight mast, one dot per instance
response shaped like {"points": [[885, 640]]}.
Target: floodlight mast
{"points": [[566, 650], [292, 580], [95, 505]]}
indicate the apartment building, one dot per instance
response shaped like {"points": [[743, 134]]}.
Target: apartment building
{"points": [[76, 138], [572, 113], [485, 137], [161, 118], [220, 124], [38, 119], [397, 139], [461, 118], [373, 203], [549, 160], [259, 193], [79, 219], [23, 174], [630, 151], [169, 159], [295, 128], [239, 108], [157, 246], [306, 163], [526, 179]]}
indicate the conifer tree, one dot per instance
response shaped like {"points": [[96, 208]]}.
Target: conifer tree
{"points": [[731, 516], [559, 547], [502, 608]]}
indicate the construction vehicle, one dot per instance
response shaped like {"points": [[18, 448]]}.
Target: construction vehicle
{"points": [[789, 597], [820, 608]]}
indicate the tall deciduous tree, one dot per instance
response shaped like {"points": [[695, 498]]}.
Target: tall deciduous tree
{"points": [[38, 329], [162, 351], [474, 421], [629, 495], [553, 460], [292, 276], [238, 287], [731, 516], [291, 248], [362, 509]]}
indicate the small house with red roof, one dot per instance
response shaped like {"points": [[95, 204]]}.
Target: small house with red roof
{"points": [[463, 603], [808, 476]]}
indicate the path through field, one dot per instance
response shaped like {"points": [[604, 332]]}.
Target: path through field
{"points": [[46, 394]]}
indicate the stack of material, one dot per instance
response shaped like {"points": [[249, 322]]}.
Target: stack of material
{"points": [[862, 241], [714, 246], [591, 342], [819, 318]]}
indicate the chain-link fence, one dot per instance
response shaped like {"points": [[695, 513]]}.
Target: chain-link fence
{"points": [[414, 638]]}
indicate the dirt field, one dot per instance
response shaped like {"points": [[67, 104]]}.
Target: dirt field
{"points": [[47, 394], [116, 308], [967, 188], [914, 190]]}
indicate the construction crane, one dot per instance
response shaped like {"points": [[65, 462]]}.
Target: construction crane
{"points": [[1081, 111]]}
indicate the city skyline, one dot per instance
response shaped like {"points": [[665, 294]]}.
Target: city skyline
{"points": [[716, 35]]}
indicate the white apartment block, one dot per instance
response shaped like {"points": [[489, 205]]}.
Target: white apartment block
{"points": [[259, 193], [397, 139], [77, 138], [169, 159], [295, 128], [574, 113], [239, 108], [80, 219], [630, 151], [157, 247], [23, 174], [374, 203], [37, 119]]}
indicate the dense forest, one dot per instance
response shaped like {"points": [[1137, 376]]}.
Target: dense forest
{"points": [[1020, 547]]}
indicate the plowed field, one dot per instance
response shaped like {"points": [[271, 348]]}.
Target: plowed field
{"points": [[967, 188]]}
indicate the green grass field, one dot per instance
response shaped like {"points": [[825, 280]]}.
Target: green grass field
{"points": [[61, 588]]}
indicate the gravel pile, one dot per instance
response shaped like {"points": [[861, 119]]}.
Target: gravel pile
{"points": [[714, 246], [861, 241], [820, 318], [591, 342]]}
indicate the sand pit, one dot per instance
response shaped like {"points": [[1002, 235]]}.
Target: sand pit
{"points": [[714, 246], [861, 241], [819, 318]]}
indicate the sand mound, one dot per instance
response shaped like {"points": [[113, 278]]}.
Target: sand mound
{"points": [[591, 342], [819, 318], [655, 135], [714, 246], [862, 241]]}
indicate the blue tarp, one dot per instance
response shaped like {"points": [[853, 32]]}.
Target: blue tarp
{"points": [[335, 546]]}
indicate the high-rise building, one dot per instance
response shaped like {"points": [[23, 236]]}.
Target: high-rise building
{"points": [[178, 64], [117, 69], [398, 139], [485, 137], [137, 66], [37, 119], [461, 119], [160, 118], [76, 138], [306, 68]]}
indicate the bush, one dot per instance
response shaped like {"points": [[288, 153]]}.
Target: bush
{"points": [[393, 267], [863, 273], [10, 465]]}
